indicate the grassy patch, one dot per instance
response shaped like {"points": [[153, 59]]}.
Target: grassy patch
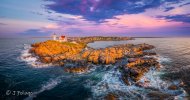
{"points": [[69, 43]]}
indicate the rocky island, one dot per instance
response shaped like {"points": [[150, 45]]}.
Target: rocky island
{"points": [[77, 57]]}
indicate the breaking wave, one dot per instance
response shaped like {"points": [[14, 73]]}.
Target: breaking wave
{"points": [[163, 59], [30, 59], [112, 83]]}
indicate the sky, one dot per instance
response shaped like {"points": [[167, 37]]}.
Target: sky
{"points": [[134, 18]]}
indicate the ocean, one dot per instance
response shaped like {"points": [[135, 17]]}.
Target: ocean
{"points": [[26, 78]]}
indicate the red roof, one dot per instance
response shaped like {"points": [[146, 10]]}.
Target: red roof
{"points": [[62, 36]]}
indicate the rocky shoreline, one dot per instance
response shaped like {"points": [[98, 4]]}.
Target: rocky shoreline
{"points": [[77, 57], [132, 61]]}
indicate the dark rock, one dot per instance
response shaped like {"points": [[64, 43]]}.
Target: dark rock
{"points": [[125, 80], [156, 95], [173, 87], [46, 59], [80, 69], [138, 67], [111, 96]]}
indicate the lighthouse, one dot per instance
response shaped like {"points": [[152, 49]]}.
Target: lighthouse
{"points": [[54, 37]]}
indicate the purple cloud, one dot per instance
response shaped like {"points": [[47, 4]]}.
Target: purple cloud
{"points": [[97, 10]]}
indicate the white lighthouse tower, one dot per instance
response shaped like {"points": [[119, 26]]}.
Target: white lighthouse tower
{"points": [[54, 37]]}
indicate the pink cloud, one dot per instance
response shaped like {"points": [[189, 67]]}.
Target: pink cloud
{"points": [[52, 26], [140, 21]]}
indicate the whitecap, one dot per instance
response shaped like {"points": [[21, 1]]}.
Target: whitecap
{"points": [[30, 59], [163, 59], [112, 83]]}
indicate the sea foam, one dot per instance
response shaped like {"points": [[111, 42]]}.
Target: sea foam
{"points": [[30, 59], [112, 83]]}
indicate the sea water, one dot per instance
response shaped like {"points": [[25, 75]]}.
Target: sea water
{"points": [[21, 72]]}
